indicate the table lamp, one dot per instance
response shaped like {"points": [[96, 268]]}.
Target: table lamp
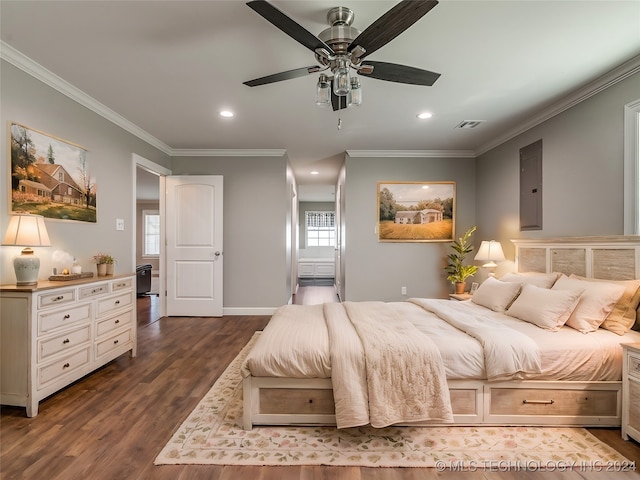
{"points": [[490, 252], [26, 230]]}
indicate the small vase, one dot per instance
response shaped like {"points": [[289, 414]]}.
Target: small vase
{"points": [[102, 269], [109, 268], [460, 287]]}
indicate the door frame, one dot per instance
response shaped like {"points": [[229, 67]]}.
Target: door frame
{"points": [[141, 162]]}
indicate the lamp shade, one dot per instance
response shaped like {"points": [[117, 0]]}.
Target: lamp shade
{"points": [[28, 231], [490, 252]]}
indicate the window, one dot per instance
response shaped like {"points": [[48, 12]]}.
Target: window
{"points": [[150, 233], [321, 227]]}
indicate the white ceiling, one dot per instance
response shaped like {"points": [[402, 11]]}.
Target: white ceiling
{"points": [[169, 67]]}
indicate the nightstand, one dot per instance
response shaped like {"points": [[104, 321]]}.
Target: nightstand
{"points": [[631, 391], [460, 296]]}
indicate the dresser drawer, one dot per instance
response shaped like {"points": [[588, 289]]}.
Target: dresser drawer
{"points": [[60, 343], [110, 324], [634, 403], [63, 317], [579, 402], [121, 284], [112, 343], [114, 303], [60, 297], [93, 290], [59, 368], [633, 366]]}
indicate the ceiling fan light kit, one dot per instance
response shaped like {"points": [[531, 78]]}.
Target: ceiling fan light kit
{"points": [[341, 47]]}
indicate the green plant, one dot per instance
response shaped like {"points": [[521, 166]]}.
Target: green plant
{"points": [[457, 271], [104, 258]]}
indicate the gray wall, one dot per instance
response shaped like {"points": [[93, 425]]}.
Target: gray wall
{"points": [[30, 102], [582, 170], [257, 204], [377, 271]]}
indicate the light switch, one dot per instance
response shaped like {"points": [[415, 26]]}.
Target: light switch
{"points": [[119, 224]]}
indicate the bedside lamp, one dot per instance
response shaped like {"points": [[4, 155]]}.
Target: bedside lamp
{"points": [[490, 252], [26, 230]]}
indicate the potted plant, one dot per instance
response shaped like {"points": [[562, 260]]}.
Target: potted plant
{"points": [[457, 271], [105, 263]]}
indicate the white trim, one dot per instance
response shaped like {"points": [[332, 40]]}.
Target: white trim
{"points": [[625, 70], [24, 63], [412, 153], [21, 61], [233, 311], [193, 152], [632, 168]]}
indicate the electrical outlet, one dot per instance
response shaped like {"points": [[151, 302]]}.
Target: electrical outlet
{"points": [[404, 290], [119, 224]]}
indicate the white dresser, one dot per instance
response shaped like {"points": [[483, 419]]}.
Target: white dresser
{"points": [[56, 332]]}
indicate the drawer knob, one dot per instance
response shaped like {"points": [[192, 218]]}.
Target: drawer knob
{"points": [[115, 342], [65, 341], [117, 302], [538, 402], [66, 317], [66, 365], [117, 321], [58, 298]]}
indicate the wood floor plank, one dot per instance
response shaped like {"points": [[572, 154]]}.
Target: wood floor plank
{"points": [[113, 423]]}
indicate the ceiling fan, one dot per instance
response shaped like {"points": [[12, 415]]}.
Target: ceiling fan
{"points": [[341, 47]]}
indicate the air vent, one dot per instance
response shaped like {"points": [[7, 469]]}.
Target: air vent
{"points": [[469, 123]]}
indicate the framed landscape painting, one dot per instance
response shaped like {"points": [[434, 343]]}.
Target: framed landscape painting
{"points": [[416, 211], [50, 176]]}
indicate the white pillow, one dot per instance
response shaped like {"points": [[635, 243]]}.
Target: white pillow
{"points": [[544, 280], [544, 307], [596, 302], [496, 295]]}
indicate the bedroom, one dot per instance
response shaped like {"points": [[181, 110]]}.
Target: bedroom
{"points": [[584, 151]]}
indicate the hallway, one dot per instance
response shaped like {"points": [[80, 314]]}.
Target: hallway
{"points": [[314, 295]]}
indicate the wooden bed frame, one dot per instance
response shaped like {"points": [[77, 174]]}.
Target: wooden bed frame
{"points": [[291, 401]]}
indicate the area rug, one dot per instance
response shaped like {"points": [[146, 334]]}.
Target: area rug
{"points": [[213, 435]]}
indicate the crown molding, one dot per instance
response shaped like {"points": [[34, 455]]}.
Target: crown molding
{"points": [[194, 152], [37, 71], [412, 153], [627, 69]]}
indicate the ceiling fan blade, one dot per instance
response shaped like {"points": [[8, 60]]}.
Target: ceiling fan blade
{"points": [[288, 26], [278, 77], [391, 24], [392, 72], [337, 102]]}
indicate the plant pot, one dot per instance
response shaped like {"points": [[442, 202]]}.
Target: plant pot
{"points": [[110, 268], [460, 287], [102, 269]]}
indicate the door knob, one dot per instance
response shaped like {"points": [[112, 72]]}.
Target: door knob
{"points": [[217, 254]]}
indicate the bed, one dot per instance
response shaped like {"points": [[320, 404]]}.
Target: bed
{"points": [[539, 346]]}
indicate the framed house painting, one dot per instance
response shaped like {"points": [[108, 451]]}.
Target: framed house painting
{"points": [[50, 176], [416, 211]]}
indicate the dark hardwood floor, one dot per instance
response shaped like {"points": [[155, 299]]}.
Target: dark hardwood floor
{"points": [[111, 424]]}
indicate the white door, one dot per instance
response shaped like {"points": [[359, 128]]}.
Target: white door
{"points": [[194, 245]]}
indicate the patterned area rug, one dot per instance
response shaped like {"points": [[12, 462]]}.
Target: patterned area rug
{"points": [[213, 434]]}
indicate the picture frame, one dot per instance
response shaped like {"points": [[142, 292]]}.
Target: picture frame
{"points": [[416, 211], [474, 287], [50, 176]]}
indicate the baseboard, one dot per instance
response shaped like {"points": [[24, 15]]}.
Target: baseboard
{"points": [[231, 311]]}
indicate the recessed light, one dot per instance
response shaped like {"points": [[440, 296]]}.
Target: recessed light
{"points": [[314, 172], [424, 115], [226, 113]]}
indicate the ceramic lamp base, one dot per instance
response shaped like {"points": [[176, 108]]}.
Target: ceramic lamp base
{"points": [[26, 267]]}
